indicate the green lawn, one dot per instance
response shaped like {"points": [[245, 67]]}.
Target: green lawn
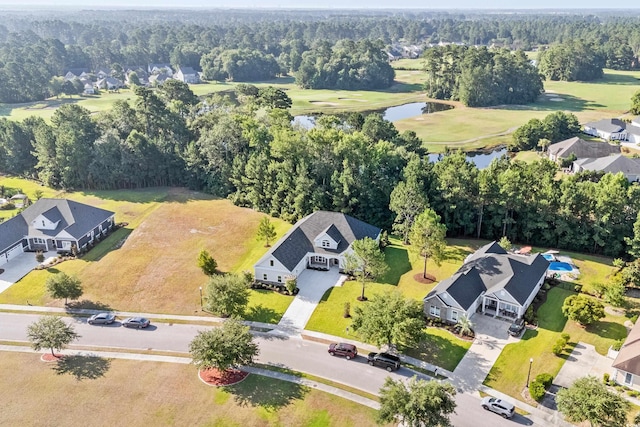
{"points": [[509, 373], [30, 388], [441, 347]]}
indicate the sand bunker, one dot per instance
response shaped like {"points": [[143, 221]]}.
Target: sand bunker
{"points": [[352, 99], [331, 104]]}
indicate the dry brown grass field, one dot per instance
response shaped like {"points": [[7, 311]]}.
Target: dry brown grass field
{"points": [[100, 392]]}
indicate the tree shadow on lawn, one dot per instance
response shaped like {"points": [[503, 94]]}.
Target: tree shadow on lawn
{"points": [[604, 329], [83, 367], [264, 392], [437, 351], [616, 79], [260, 313], [567, 102], [397, 259], [86, 305]]}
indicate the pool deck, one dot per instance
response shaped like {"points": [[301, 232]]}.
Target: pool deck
{"points": [[565, 275]]}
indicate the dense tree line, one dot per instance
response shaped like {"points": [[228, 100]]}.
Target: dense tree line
{"points": [[347, 65], [34, 47], [536, 133], [480, 77], [574, 60], [249, 151]]}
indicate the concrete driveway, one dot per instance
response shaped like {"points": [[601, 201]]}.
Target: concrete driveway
{"points": [[312, 284], [583, 361], [491, 337], [19, 267]]}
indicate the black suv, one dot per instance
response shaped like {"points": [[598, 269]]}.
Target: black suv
{"points": [[516, 327], [384, 360]]}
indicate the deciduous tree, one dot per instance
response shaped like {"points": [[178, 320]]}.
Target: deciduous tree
{"points": [[389, 319], [50, 332], [227, 295], [588, 399], [366, 262], [582, 309], [64, 286], [417, 403], [225, 347]]}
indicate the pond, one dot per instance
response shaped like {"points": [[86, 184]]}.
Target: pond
{"points": [[481, 159], [391, 114]]}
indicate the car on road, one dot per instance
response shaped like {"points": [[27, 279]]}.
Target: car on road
{"points": [[348, 351], [135, 322], [384, 360], [516, 327], [101, 319], [499, 406]]}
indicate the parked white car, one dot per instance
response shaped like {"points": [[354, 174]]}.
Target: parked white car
{"points": [[499, 406]]}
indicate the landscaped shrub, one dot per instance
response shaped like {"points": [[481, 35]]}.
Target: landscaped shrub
{"points": [[633, 393], [606, 378], [39, 257], [577, 288], [566, 337], [617, 345], [558, 347], [529, 315], [536, 390], [545, 379], [291, 283], [546, 286]]}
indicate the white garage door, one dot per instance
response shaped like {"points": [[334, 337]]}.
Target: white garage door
{"points": [[12, 253]]}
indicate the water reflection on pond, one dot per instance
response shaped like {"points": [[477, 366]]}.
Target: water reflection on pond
{"points": [[481, 159]]}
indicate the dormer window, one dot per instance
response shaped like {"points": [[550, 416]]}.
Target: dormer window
{"points": [[43, 223], [326, 244]]}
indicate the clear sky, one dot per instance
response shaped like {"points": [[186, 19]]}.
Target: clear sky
{"points": [[333, 4]]}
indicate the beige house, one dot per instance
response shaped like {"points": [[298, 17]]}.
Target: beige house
{"points": [[627, 363], [581, 149]]}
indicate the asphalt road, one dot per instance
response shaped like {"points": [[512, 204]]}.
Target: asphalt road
{"points": [[296, 354]]}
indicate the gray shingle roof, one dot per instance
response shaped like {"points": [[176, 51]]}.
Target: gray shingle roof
{"points": [[294, 246], [628, 358], [582, 149], [491, 269], [612, 164], [77, 219], [607, 125]]}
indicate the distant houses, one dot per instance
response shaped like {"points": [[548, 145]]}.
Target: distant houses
{"points": [[614, 130], [618, 163]]}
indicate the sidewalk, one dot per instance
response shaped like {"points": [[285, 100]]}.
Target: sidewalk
{"points": [[465, 377], [186, 360]]}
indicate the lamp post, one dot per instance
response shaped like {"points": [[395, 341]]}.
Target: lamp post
{"points": [[529, 373], [200, 297]]}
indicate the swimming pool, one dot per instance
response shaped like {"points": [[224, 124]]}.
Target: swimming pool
{"points": [[560, 266], [549, 257]]}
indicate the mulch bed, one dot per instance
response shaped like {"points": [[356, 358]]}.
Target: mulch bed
{"points": [[218, 378], [48, 357], [420, 279]]}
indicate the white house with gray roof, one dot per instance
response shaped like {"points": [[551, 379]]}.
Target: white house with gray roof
{"points": [[490, 281], [629, 166], [53, 225], [607, 129], [318, 241]]}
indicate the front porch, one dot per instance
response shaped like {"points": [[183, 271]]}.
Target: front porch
{"points": [[321, 263], [495, 308]]}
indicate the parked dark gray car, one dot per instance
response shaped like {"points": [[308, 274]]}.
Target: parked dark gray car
{"points": [[101, 319], [136, 322]]}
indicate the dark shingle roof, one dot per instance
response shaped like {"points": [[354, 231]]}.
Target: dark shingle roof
{"points": [[299, 241], [11, 231], [491, 269], [77, 219], [612, 164], [334, 233]]}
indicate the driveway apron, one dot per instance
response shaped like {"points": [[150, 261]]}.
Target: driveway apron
{"points": [[19, 267], [312, 284], [491, 337]]}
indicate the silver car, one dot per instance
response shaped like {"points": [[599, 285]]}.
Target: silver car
{"points": [[101, 318], [499, 406], [135, 322]]}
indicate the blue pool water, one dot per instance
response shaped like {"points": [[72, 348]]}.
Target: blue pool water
{"points": [[549, 257], [560, 266]]}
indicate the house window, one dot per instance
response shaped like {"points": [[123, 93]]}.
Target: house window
{"points": [[43, 223], [279, 279], [434, 311], [628, 378], [271, 263], [454, 316], [325, 244], [38, 241], [264, 276]]}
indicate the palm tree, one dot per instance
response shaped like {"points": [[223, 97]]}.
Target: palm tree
{"points": [[465, 326]]}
